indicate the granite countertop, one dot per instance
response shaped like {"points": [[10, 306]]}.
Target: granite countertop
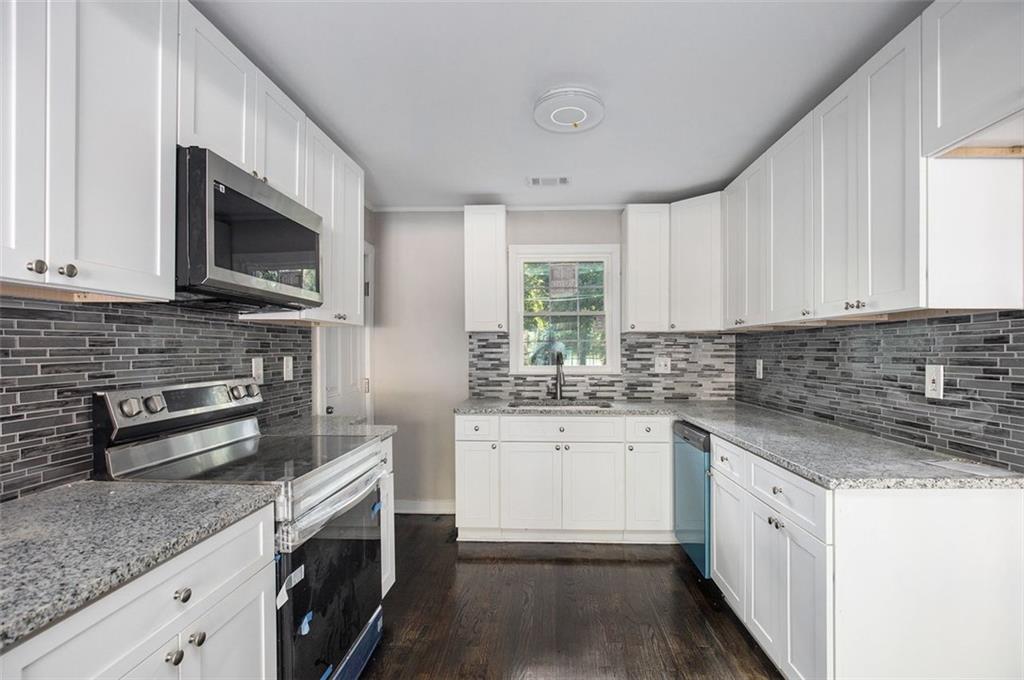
{"points": [[63, 548], [330, 426], [829, 455]]}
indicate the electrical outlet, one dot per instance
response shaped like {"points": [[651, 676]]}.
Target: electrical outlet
{"points": [[257, 370], [288, 369], [662, 365], [933, 378], [760, 369]]}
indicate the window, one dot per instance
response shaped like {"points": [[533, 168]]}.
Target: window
{"points": [[564, 299]]}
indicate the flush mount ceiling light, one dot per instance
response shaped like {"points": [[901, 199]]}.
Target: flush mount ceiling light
{"points": [[568, 109]]}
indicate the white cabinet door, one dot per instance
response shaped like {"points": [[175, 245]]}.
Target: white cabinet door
{"points": [[973, 68], [806, 603], [24, 51], [349, 288], [486, 268], [649, 487], [237, 638], [280, 140], [216, 92], [752, 311], [835, 201], [593, 486], [695, 272], [112, 107], [387, 532], [531, 486], [477, 494], [790, 253], [764, 582], [728, 542], [159, 665], [890, 176], [734, 226], [645, 282], [323, 176]]}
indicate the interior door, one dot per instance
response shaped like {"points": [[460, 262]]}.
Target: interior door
{"points": [[593, 486], [531, 485]]}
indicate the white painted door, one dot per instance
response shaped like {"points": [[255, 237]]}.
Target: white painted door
{"points": [[593, 486], [387, 532], [486, 268], [156, 666], [765, 581], [734, 224], [216, 92], [238, 637], [645, 283], [531, 485], [973, 68], [280, 140], [805, 609], [728, 542], [477, 474], [835, 201], [695, 271], [343, 385], [649, 487], [112, 112], [790, 252], [756, 186], [24, 51], [348, 289], [890, 176]]}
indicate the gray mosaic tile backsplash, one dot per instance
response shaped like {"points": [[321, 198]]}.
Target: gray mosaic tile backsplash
{"points": [[702, 368], [54, 356], [871, 377]]}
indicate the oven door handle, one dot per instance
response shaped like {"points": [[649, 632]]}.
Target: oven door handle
{"points": [[293, 534]]}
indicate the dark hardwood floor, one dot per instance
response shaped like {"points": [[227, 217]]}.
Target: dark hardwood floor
{"points": [[504, 610]]}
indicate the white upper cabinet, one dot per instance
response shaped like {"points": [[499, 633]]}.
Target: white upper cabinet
{"points": [[789, 233], [216, 92], [734, 257], [349, 288], [645, 281], [695, 272], [486, 268], [280, 140], [835, 201], [746, 204], [973, 67]]}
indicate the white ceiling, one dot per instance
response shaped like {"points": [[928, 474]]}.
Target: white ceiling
{"points": [[435, 99]]}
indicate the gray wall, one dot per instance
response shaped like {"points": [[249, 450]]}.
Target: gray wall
{"points": [[54, 356], [871, 377], [563, 226]]}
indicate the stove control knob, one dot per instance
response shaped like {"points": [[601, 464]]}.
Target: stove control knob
{"points": [[130, 407], [154, 403], [252, 389], [237, 392]]}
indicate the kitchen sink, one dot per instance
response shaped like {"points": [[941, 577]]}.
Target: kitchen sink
{"points": [[559, 403]]}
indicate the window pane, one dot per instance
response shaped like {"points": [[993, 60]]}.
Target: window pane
{"points": [[563, 306]]}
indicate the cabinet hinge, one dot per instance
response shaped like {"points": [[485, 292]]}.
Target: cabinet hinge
{"points": [[366, 385], [366, 289]]}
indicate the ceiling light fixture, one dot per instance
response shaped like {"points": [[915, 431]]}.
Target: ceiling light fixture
{"points": [[568, 109]]}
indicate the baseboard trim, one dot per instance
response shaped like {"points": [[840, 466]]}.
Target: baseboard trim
{"points": [[425, 507]]}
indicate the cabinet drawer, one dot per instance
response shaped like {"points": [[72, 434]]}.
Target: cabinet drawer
{"points": [[731, 460], [479, 428], [649, 430], [562, 428], [798, 499]]}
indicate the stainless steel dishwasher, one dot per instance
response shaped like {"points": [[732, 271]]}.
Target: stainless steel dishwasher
{"points": [[691, 448]]}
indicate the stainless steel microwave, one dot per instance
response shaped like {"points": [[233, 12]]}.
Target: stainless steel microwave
{"points": [[240, 239]]}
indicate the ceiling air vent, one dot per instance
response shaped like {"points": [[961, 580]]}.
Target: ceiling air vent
{"points": [[547, 181]]}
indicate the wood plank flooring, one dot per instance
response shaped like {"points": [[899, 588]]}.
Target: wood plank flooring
{"points": [[504, 610]]}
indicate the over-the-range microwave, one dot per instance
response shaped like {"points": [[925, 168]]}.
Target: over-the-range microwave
{"points": [[240, 239]]}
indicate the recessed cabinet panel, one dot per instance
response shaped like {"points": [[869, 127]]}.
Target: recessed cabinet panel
{"points": [[486, 268], [531, 486], [280, 140], [734, 221], [765, 578], [753, 308], [695, 272], [806, 604], [593, 486], [645, 289], [728, 542], [348, 248], [477, 475], [649, 487]]}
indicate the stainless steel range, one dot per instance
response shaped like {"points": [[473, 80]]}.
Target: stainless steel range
{"points": [[327, 508]]}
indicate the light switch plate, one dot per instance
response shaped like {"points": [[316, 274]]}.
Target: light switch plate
{"points": [[257, 370], [288, 369], [662, 365], [760, 368], [933, 378]]}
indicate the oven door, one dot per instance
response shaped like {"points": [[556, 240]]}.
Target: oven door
{"points": [[330, 572]]}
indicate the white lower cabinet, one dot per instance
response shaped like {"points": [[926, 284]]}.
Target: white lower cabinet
{"points": [[649, 487], [593, 487], [531, 485], [728, 538], [387, 532], [805, 607], [763, 577], [155, 666]]}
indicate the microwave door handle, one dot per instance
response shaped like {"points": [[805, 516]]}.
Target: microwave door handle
{"points": [[291, 536]]}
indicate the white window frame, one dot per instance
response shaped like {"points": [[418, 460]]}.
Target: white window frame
{"points": [[606, 253]]}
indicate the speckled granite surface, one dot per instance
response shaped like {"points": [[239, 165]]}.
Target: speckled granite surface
{"points": [[830, 456], [63, 548], [326, 426]]}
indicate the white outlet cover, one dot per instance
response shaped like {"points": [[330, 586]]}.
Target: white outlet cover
{"points": [[257, 370], [288, 369], [760, 368], [662, 365], [933, 379]]}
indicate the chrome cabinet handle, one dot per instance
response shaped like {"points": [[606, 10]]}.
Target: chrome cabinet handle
{"points": [[671, 325], [847, 305], [183, 595], [724, 459], [476, 428], [566, 447], [739, 322], [776, 490], [197, 639], [263, 179], [70, 271], [561, 429], [860, 305], [37, 266], [558, 447], [174, 658], [805, 312], [630, 447], [493, 446], [255, 174], [647, 429], [771, 520], [341, 316], [779, 524], [500, 325]]}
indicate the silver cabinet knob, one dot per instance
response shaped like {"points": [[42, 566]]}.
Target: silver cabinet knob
{"points": [[561, 429], [724, 459], [255, 174], [771, 520], [647, 429], [776, 490], [493, 446], [476, 428], [632, 326], [779, 524], [37, 266], [557, 447], [263, 179], [859, 304], [805, 312], [344, 317], [671, 325], [70, 271], [183, 595], [566, 447], [197, 639], [630, 447], [330, 410], [337, 316], [174, 658], [847, 305], [501, 325]]}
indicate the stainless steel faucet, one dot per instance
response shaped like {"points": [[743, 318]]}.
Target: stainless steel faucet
{"points": [[559, 375]]}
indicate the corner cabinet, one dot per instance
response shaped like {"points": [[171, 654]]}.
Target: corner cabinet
{"points": [[486, 268]]}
